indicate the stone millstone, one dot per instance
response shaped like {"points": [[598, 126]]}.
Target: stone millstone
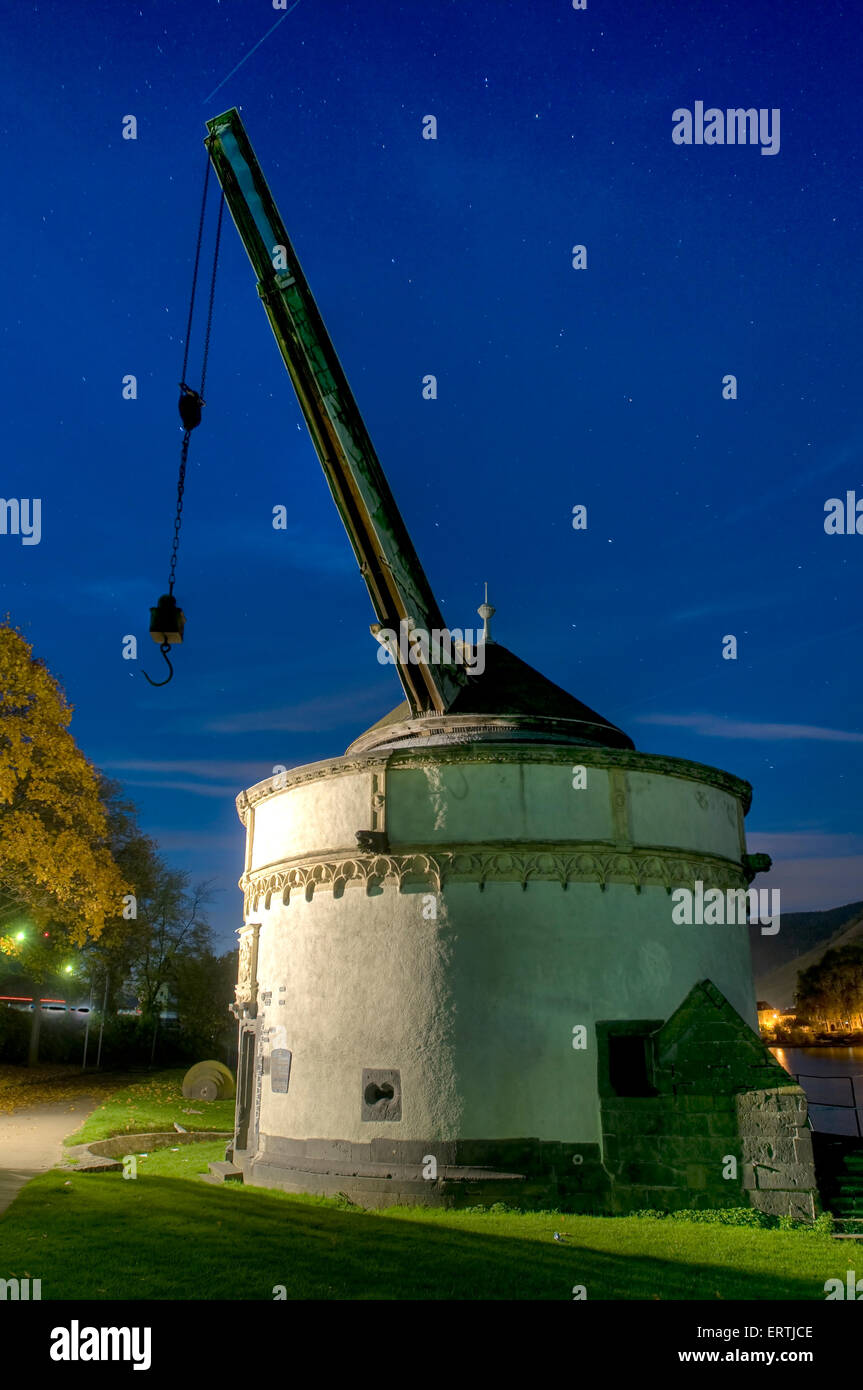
{"points": [[209, 1081]]}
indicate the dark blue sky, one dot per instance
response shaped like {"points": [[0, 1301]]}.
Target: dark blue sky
{"points": [[556, 386]]}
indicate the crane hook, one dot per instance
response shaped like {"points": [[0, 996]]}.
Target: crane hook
{"points": [[164, 649]]}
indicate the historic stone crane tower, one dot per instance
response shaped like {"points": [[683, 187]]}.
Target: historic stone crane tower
{"points": [[460, 975]]}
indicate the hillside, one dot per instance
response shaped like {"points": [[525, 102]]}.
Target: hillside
{"points": [[800, 932], [802, 941]]}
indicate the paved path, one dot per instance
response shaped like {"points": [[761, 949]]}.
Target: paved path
{"points": [[32, 1140]]}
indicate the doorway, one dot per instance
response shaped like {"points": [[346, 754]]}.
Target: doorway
{"points": [[245, 1087]]}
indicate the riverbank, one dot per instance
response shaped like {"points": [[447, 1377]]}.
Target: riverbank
{"points": [[793, 1037]]}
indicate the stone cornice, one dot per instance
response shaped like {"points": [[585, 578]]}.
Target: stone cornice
{"points": [[513, 753], [524, 864]]}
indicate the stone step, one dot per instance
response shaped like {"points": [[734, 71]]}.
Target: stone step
{"points": [[222, 1171]]}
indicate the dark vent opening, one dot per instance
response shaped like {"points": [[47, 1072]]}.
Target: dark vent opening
{"points": [[629, 1064]]}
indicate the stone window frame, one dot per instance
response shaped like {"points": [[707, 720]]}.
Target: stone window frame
{"points": [[627, 1027]]}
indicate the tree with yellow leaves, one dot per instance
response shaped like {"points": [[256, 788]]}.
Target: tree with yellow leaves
{"points": [[56, 866]]}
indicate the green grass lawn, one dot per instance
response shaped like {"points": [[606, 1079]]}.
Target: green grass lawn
{"points": [[166, 1235], [153, 1104]]}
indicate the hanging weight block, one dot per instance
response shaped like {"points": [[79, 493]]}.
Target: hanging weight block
{"points": [[167, 620]]}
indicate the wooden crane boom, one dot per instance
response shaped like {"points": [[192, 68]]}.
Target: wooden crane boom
{"points": [[397, 585]]}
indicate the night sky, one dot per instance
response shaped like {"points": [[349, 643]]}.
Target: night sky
{"points": [[556, 386]]}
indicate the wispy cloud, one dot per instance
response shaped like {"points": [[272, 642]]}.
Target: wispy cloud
{"points": [[192, 840], [805, 844], [847, 453], [310, 716], [712, 726], [732, 603], [246, 772], [813, 885], [813, 869], [297, 547], [194, 788]]}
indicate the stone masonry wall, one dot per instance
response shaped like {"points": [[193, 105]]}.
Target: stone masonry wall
{"points": [[778, 1162]]}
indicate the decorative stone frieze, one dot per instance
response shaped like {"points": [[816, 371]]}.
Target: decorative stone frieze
{"points": [[522, 864]]}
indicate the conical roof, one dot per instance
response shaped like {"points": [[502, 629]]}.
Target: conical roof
{"points": [[508, 699]]}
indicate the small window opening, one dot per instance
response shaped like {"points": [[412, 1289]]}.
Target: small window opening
{"points": [[629, 1064]]}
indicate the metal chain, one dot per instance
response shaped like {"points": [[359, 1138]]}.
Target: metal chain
{"points": [[212, 293], [195, 271], [181, 484], [184, 453]]}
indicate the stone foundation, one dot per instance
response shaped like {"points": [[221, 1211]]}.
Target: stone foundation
{"points": [[527, 1173]]}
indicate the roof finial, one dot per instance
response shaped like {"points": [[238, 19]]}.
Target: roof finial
{"points": [[486, 612]]}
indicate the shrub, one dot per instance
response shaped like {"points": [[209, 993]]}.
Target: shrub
{"points": [[742, 1216]]}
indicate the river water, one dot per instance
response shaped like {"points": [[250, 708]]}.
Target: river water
{"points": [[825, 1074]]}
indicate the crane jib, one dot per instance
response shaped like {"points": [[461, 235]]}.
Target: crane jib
{"points": [[397, 584]]}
